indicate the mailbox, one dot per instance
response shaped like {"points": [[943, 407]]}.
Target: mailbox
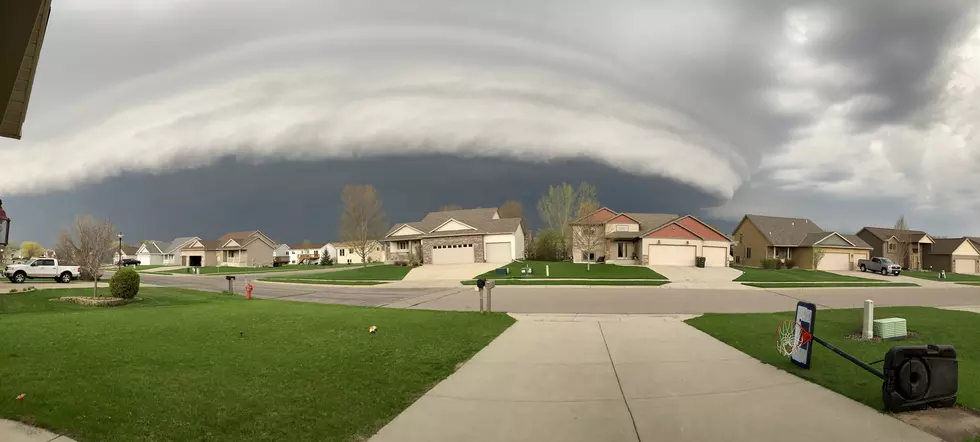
{"points": [[490, 283], [480, 283], [230, 277]]}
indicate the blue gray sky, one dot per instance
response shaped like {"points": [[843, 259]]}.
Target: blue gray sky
{"points": [[199, 117]]}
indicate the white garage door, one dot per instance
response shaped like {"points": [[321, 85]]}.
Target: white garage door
{"points": [[715, 256], [498, 252], [668, 255], [454, 254], [964, 266], [835, 261]]}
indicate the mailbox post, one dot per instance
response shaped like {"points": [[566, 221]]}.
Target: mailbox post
{"points": [[231, 283], [489, 286]]}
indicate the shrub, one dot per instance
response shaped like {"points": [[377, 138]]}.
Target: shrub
{"points": [[789, 263], [401, 263], [125, 284], [326, 259], [547, 246], [771, 264]]}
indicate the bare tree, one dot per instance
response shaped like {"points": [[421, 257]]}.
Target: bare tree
{"points": [[450, 207], [817, 254], [363, 222], [511, 209], [31, 249], [586, 199], [88, 246], [589, 237], [904, 241]]}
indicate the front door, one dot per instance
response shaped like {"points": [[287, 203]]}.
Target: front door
{"points": [[623, 250]]}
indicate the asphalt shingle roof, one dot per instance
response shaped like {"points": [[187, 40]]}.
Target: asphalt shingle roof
{"points": [[177, 243], [480, 219], [946, 246], [780, 231], [883, 233]]}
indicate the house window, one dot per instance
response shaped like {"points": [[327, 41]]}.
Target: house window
{"points": [[341, 252], [232, 254], [401, 245], [622, 250], [622, 228], [915, 248], [748, 252], [891, 247]]}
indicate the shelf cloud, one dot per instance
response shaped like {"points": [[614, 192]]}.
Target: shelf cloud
{"points": [[801, 98]]}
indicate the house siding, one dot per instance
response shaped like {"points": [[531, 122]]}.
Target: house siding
{"points": [[749, 236], [701, 230], [673, 231], [873, 241], [476, 240]]}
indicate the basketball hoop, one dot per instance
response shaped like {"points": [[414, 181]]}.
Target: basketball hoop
{"points": [[790, 336]]}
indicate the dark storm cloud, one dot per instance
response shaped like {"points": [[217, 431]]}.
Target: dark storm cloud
{"points": [[899, 48], [293, 201]]}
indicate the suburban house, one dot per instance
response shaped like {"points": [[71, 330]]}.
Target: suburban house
{"points": [[281, 254], [246, 249], [151, 252], [955, 255], [172, 253], [128, 252], [299, 252], [200, 253], [759, 237], [345, 253], [457, 236], [647, 238], [903, 247]]}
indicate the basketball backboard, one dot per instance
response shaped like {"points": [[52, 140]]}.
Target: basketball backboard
{"points": [[806, 316]]}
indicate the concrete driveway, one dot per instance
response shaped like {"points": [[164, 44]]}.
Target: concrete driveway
{"points": [[708, 278], [448, 272], [629, 378]]}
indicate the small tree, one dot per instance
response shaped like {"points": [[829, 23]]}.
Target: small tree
{"points": [[817, 256], [88, 246], [548, 245], [589, 237], [326, 259], [363, 221], [31, 249], [904, 241]]}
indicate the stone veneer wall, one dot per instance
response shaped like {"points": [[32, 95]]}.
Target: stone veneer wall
{"points": [[476, 240]]}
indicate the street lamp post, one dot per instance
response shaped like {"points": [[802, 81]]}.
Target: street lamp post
{"points": [[119, 262]]}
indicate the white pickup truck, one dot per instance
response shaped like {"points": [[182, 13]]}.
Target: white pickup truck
{"points": [[41, 268]]}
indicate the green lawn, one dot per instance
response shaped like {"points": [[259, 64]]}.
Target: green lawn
{"points": [[244, 270], [567, 270], [371, 273], [752, 274], [774, 285], [185, 365], [547, 281], [320, 281], [146, 267], [951, 277], [754, 334]]}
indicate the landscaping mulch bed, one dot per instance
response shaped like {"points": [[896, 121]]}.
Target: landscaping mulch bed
{"points": [[96, 302]]}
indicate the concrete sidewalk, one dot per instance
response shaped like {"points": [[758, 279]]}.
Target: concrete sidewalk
{"points": [[11, 431], [629, 378]]}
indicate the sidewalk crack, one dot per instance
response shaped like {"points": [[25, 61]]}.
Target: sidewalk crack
{"points": [[618, 382]]}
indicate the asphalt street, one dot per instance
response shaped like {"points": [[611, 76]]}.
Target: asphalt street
{"points": [[618, 300]]}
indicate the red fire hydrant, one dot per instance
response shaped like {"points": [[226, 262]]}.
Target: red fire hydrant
{"points": [[248, 291]]}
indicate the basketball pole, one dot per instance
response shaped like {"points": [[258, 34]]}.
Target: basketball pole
{"points": [[844, 355]]}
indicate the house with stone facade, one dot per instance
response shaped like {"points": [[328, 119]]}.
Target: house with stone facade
{"points": [[456, 237], [647, 238]]}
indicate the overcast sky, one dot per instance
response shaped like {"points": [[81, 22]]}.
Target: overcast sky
{"points": [[850, 113]]}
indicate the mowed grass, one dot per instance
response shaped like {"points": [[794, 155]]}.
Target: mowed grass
{"points": [[751, 274], [950, 277], [146, 267], [323, 281], [370, 273], [546, 281], [754, 334], [569, 270], [244, 270], [191, 366], [800, 285]]}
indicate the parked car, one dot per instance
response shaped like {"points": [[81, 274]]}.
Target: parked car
{"points": [[41, 268], [877, 264], [128, 262]]}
